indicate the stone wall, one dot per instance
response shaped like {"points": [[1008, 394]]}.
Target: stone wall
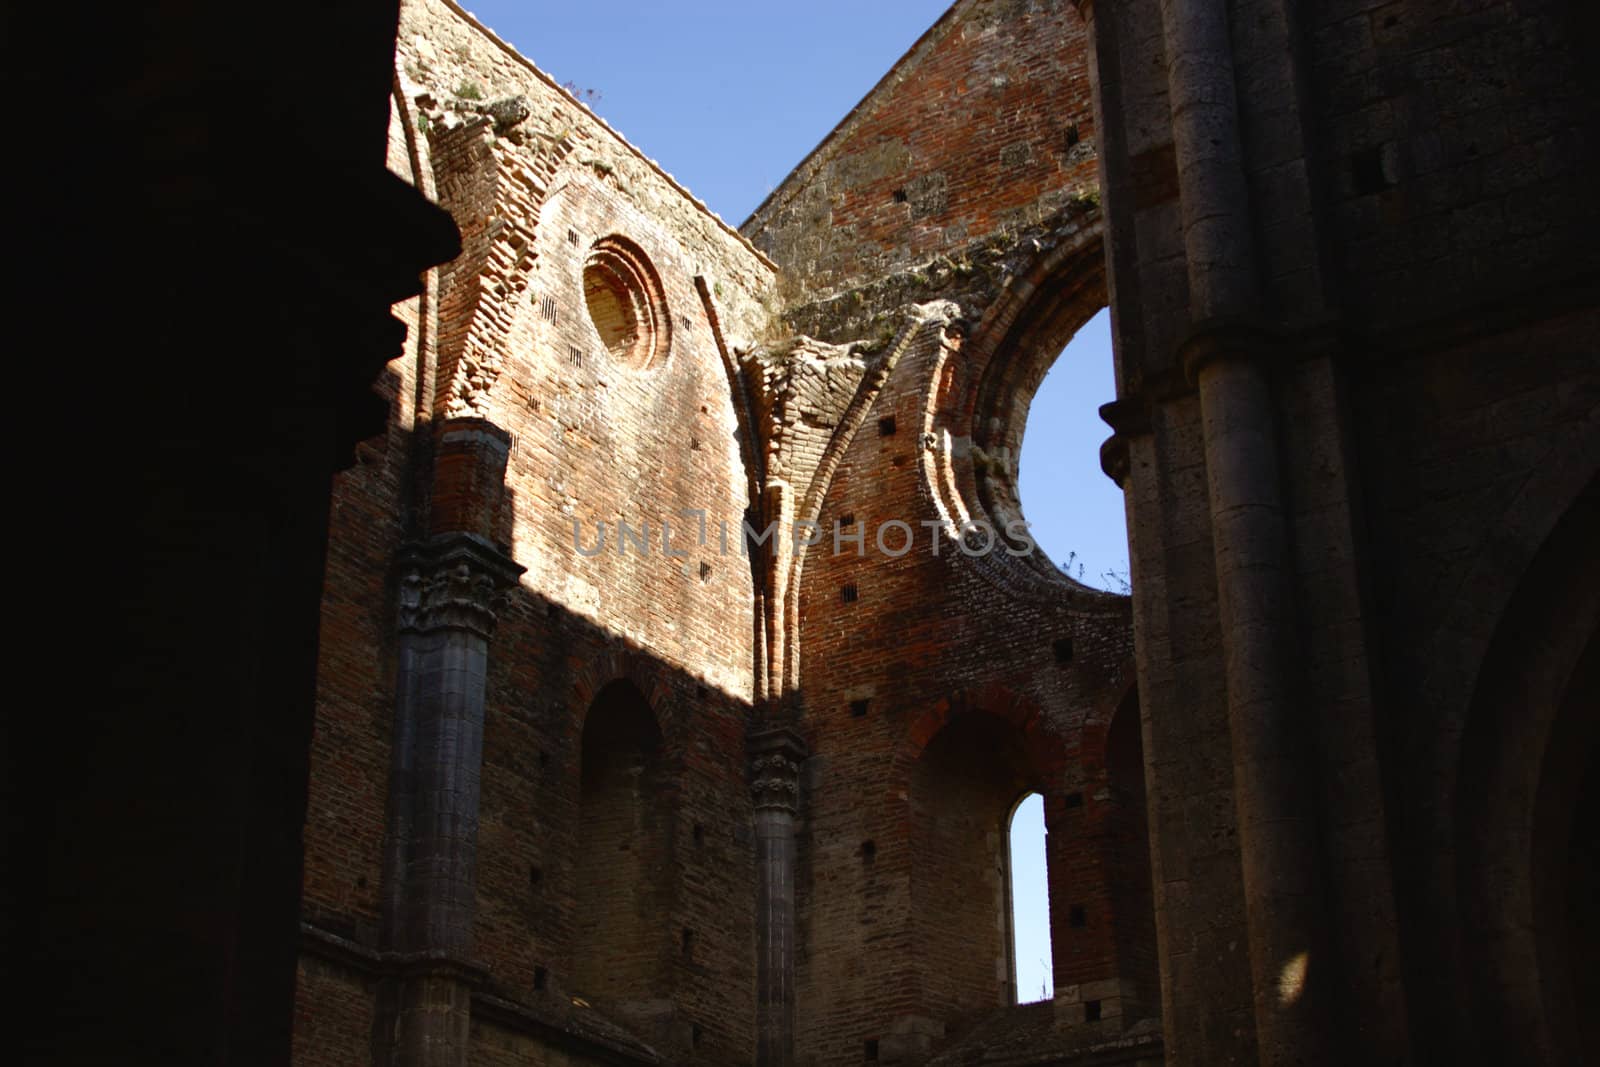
{"points": [[1356, 363]]}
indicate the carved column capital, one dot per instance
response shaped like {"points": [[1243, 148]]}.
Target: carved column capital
{"points": [[453, 582], [775, 759]]}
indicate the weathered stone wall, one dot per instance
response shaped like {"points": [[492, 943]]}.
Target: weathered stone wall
{"points": [[1349, 235]]}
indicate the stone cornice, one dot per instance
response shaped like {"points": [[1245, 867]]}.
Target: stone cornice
{"points": [[327, 945]]}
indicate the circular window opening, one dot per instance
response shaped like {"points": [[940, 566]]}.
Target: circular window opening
{"points": [[626, 303], [1075, 512]]}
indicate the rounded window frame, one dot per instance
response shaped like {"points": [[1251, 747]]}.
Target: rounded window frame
{"points": [[636, 329]]}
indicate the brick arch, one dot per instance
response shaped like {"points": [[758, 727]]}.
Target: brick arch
{"points": [[1115, 699], [1046, 752], [596, 672], [613, 665], [1024, 330], [986, 397]]}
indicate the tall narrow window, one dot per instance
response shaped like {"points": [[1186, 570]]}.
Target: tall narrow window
{"points": [[1030, 903]]}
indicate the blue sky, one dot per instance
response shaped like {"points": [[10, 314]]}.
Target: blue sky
{"points": [[729, 97]]}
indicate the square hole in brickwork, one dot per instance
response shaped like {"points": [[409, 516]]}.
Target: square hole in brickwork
{"points": [[847, 520], [1367, 175], [1072, 135], [696, 1035], [686, 942], [547, 309], [705, 572], [574, 356], [886, 426], [899, 196], [1091, 1011], [1077, 918], [1062, 649], [540, 977], [572, 238], [858, 709], [699, 834], [870, 1050], [869, 851], [535, 876], [700, 691], [848, 593], [1072, 800]]}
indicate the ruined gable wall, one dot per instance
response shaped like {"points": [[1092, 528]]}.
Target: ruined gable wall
{"points": [[946, 179], [508, 338], [599, 441]]}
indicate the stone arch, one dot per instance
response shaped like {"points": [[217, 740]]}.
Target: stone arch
{"points": [[1526, 766], [1430, 753]]}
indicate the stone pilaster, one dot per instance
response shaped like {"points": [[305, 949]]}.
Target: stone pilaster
{"points": [[776, 756]]}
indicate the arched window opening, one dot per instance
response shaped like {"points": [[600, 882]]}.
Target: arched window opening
{"points": [[1029, 892], [964, 789], [619, 915], [1075, 512]]}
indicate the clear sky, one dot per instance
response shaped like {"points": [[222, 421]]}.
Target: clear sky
{"points": [[729, 97]]}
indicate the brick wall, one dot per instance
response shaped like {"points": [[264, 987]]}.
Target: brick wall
{"points": [[926, 638], [505, 334], [980, 139]]}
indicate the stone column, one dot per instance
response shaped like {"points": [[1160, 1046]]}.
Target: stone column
{"points": [[1226, 355], [449, 585], [776, 756], [448, 588]]}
